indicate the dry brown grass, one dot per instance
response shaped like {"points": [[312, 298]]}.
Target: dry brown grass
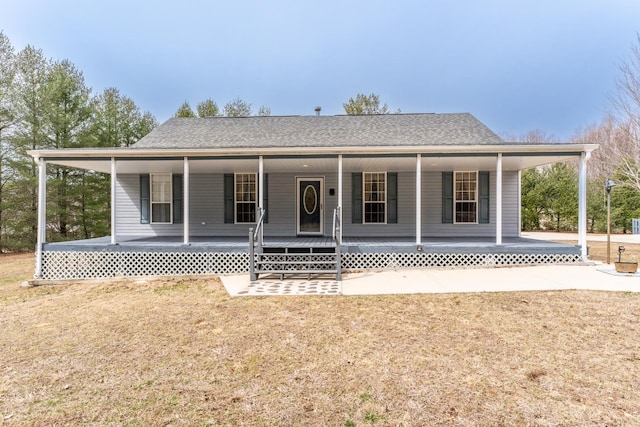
{"points": [[182, 352], [598, 251]]}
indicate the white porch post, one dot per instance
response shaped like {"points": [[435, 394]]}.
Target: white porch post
{"points": [[519, 203], [260, 196], [499, 200], [185, 199], [261, 183], [418, 199], [582, 204], [114, 240], [41, 235], [340, 197]]}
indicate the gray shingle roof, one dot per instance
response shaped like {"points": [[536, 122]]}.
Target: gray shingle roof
{"points": [[393, 130]]}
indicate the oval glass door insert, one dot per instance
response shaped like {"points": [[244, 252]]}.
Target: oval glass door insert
{"points": [[310, 197]]}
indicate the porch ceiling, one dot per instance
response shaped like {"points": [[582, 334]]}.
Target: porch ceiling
{"points": [[302, 164]]}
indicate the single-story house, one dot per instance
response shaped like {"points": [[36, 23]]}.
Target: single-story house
{"points": [[319, 193]]}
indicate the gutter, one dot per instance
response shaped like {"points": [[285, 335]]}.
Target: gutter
{"points": [[302, 151]]}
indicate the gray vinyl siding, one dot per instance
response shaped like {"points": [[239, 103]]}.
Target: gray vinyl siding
{"points": [[432, 209], [206, 217], [510, 204], [128, 211], [282, 203], [406, 211], [206, 200], [282, 215]]}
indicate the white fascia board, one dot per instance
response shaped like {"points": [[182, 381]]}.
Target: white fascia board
{"points": [[266, 151]]}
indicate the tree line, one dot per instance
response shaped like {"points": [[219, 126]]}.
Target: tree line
{"points": [[549, 194], [209, 108], [360, 104], [46, 104]]}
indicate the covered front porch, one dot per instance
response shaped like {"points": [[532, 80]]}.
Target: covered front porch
{"points": [[416, 236], [152, 256], [349, 244]]}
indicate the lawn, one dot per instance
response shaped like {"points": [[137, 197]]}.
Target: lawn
{"points": [[182, 352]]}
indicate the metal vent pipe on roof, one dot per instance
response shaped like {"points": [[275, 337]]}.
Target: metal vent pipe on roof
{"points": [[317, 110]]}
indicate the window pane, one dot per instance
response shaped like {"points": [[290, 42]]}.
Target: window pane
{"points": [[160, 197], [374, 212], [245, 197], [246, 212], [161, 212], [161, 188], [375, 197], [466, 196], [466, 212]]}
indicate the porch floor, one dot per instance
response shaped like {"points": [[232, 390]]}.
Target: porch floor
{"points": [[350, 244]]}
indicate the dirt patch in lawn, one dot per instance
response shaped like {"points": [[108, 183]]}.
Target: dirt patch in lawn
{"points": [[182, 352]]}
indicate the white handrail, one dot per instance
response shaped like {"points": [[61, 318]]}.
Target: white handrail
{"points": [[336, 225], [337, 236], [333, 228], [258, 231]]}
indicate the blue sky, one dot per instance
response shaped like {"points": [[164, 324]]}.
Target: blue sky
{"points": [[516, 65]]}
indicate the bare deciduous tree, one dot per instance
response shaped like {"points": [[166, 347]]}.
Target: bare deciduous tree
{"points": [[626, 101], [264, 111], [613, 146]]}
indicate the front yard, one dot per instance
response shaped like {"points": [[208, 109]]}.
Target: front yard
{"points": [[182, 352]]}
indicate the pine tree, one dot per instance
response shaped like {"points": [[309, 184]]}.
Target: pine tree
{"points": [[185, 111], [365, 104], [208, 108]]}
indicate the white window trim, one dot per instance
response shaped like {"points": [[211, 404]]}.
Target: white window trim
{"points": [[151, 202], [235, 200], [364, 202], [456, 201]]}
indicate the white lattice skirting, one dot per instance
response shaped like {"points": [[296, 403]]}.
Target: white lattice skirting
{"points": [[356, 261], [86, 265]]}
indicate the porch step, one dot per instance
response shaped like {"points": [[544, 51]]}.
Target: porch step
{"points": [[297, 260], [299, 250]]}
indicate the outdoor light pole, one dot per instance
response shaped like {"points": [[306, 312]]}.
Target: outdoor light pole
{"points": [[608, 185]]}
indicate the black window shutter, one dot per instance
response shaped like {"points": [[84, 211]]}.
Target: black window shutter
{"points": [[145, 201], [447, 197], [392, 198], [483, 197], [356, 198], [265, 197], [228, 198], [176, 192]]}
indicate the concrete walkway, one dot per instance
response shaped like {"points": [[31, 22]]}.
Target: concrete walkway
{"points": [[600, 277], [538, 278]]}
